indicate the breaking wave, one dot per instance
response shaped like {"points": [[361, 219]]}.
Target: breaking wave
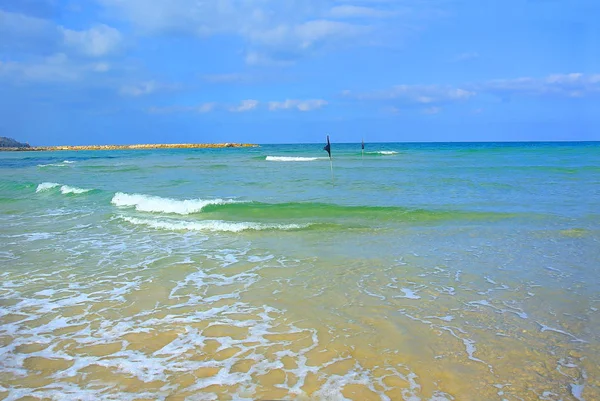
{"points": [[291, 159], [383, 152], [63, 164], [210, 225], [64, 189], [156, 204]]}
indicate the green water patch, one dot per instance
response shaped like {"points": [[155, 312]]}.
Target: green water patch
{"points": [[7, 186], [575, 232], [217, 166], [111, 168], [312, 210]]}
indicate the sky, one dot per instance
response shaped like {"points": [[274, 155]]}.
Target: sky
{"points": [[291, 71]]}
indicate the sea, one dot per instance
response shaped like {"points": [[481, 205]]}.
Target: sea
{"points": [[407, 271]]}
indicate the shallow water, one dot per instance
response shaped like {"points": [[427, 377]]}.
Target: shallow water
{"points": [[425, 272]]}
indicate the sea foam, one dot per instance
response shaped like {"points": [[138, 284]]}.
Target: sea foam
{"points": [[291, 159], [156, 204], [64, 163], [64, 189], [44, 186], [210, 225], [383, 152]]}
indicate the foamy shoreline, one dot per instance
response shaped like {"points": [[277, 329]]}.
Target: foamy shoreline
{"points": [[138, 146]]}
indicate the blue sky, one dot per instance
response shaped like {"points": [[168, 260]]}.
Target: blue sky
{"points": [[286, 71]]}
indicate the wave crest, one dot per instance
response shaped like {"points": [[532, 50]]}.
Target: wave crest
{"points": [[45, 186], [210, 225], [156, 204], [64, 189], [64, 163], [383, 152], [291, 159]]}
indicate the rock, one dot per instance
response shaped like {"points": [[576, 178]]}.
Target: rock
{"points": [[11, 143]]}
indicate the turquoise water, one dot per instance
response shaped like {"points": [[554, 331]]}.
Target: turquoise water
{"points": [[418, 271]]}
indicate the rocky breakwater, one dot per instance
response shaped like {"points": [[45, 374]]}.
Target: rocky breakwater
{"points": [[138, 146]]}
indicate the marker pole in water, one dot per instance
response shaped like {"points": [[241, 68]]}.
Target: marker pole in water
{"points": [[362, 152], [328, 149]]}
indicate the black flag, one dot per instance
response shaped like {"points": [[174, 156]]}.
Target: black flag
{"points": [[363, 144], [328, 147]]}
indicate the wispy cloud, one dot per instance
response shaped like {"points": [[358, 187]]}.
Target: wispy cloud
{"points": [[97, 41], [561, 85], [432, 110], [416, 94], [351, 11], [572, 85], [464, 57], [245, 105], [24, 33], [393, 110], [302, 105], [145, 88], [57, 68], [227, 78], [273, 30], [201, 109]]}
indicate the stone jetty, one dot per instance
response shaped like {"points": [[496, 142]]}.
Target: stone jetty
{"points": [[131, 147]]}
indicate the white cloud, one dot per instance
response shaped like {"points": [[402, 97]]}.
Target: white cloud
{"points": [[350, 11], [418, 94], [245, 105], [570, 85], [203, 108], [302, 105], [145, 88], [391, 110], [295, 39], [432, 110], [100, 40], [20, 32], [57, 68], [563, 85], [38, 36], [206, 107], [226, 78], [273, 30], [258, 58]]}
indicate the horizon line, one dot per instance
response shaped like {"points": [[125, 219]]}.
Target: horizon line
{"points": [[315, 143]]}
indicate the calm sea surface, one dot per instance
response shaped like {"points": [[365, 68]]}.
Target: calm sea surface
{"points": [[422, 272]]}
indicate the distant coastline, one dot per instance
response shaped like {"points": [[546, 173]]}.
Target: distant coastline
{"points": [[129, 147]]}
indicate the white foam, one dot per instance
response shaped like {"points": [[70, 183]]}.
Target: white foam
{"points": [[156, 204], [44, 186], [52, 165], [65, 189], [544, 328], [64, 163], [210, 225], [408, 293], [291, 159], [384, 152]]}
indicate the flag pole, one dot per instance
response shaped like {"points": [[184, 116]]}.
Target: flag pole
{"points": [[331, 165], [327, 148], [362, 151]]}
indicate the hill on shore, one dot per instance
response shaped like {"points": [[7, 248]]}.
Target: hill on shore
{"points": [[11, 143]]}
